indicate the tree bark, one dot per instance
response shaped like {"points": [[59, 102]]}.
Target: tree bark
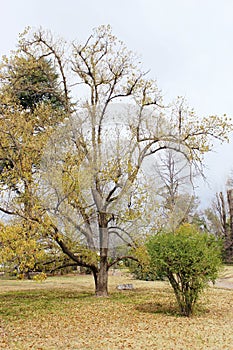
{"points": [[101, 282], [223, 215], [101, 277], [230, 204], [229, 238]]}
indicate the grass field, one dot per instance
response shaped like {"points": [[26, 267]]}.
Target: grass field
{"points": [[62, 313]]}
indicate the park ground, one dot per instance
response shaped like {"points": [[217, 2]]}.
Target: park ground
{"points": [[62, 313]]}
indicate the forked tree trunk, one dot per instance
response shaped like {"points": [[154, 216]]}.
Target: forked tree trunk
{"points": [[185, 295]]}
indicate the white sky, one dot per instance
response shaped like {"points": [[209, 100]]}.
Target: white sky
{"points": [[186, 44]]}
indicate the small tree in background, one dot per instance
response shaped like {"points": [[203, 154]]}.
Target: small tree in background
{"points": [[220, 220], [189, 259]]}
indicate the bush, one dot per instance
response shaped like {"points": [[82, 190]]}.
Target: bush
{"points": [[139, 273], [144, 273], [40, 277], [189, 259]]}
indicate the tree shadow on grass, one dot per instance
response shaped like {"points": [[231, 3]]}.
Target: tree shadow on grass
{"points": [[159, 308], [169, 310]]}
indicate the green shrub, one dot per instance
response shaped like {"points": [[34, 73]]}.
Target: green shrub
{"points": [[189, 259], [143, 273]]}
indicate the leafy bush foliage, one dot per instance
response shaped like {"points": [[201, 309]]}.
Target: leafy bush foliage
{"points": [[189, 259], [144, 271], [140, 267], [140, 273], [40, 277]]}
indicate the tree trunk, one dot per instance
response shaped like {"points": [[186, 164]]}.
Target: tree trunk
{"points": [[101, 281], [223, 214], [101, 277], [229, 238], [230, 204]]}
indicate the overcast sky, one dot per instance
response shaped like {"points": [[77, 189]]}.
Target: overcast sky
{"points": [[186, 44]]}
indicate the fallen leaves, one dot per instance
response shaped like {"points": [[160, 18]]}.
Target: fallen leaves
{"points": [[63, 314]]}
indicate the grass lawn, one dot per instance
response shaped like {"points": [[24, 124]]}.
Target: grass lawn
{"points": [[62, 313]]}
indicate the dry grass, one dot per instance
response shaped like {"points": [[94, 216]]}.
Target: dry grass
{"points": [[62, 313]]}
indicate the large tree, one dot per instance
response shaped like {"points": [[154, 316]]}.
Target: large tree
{"points": [[96, 185]]}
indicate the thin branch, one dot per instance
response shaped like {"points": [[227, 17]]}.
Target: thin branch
{"points": [[122, 258], [64, 266]]}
